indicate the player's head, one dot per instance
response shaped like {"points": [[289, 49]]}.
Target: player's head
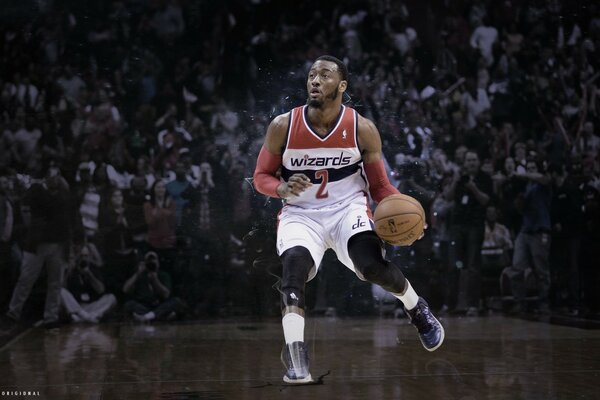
{"points": [[327, 81]]}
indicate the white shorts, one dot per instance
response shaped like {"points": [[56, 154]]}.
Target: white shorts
{"points": [[325, 228]]}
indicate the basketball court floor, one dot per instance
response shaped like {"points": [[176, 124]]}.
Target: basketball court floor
{"points": [[351, 358]]}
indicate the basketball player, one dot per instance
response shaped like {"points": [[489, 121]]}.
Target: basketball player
{"points": [[329, 156]]}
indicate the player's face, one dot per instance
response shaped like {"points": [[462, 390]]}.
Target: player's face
{"points": [[324, 83]]}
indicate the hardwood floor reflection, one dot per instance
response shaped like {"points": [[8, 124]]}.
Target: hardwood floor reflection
{"points": [[482, 358]]}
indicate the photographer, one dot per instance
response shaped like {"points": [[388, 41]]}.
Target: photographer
{"points": [[470, 191], [83, 296], [149, 290]]}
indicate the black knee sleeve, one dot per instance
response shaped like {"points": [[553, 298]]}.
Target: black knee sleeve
{"points": [[297, 263], [365, 252]]}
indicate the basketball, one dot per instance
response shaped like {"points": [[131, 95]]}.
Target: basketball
{"points": [[399, 220]]}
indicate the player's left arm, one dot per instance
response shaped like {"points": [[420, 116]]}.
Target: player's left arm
{"points": [[369, 141]]}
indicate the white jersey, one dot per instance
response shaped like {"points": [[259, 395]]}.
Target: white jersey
{"points": [[333, 163]]}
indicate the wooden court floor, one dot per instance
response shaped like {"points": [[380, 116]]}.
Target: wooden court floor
{"points": [[364, 358]]}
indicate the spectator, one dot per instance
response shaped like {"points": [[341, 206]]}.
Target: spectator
{"points": [[532, 245], [84, 297], [483, 39], [205, 187], [118, 167], [496, 252], [144, 170], [225, 121], [590, 251], [171, 140], [24, 91], [588, 143], [7, 223], [71, 85], [45, 245], [167, 21], [149, 289], [6, 144], [117, 241], [567, 220], [475, 101], [497, 241], [192, 171], [25, 142], [470, 190], [160, 216], [350, 24], [91, 196], [506, 188], [176, 188], [135, 199], [103, 122], [512, 40]]}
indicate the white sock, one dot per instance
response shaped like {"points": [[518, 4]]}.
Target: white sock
{"points": [[409, 298], [293, 328]]}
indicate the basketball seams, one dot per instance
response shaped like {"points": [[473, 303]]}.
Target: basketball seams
{"points": [[395, 197], [395, 240], [402, 197], [391, 207]]}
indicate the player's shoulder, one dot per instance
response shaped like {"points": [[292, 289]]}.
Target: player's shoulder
{"points": [[365, 125], [280, 123]]}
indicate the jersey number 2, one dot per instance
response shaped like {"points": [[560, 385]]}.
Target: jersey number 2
{"points": [[323, 175]]}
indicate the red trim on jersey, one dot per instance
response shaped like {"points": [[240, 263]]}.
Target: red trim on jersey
{"points": [[265, 180], [379, 184], [369, 212], [302, 136]]}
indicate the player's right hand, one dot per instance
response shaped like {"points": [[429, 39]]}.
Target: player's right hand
{"points": [[297, 184]]}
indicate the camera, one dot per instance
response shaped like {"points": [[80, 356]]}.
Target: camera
{"points": [[151, 261], [83, 264], [152, 265], [464, 179]]}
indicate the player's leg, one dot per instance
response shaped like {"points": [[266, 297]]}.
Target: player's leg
{"points": [[297, 263], [364, 249], [300, 244], [359, 248]]}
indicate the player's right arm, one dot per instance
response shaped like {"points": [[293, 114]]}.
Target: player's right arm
{"points": [[266, 179]]}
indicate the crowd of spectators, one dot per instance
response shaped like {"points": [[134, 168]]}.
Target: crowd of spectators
{"points": [[128, 131]]}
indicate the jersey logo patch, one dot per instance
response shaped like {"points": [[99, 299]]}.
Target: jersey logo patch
{"points": [[358, 224]]}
